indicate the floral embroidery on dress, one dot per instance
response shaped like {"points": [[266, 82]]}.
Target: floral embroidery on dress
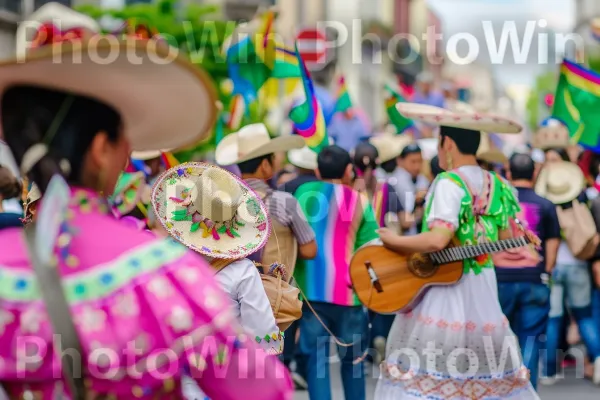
{"points": [[31, 320], [91, 320], [212, 299], [160, 287], [126, 305], [6, 318], [188, 274], [180, 319]]}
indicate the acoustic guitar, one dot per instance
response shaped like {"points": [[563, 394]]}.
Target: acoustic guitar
{"points": [[388, 282]]}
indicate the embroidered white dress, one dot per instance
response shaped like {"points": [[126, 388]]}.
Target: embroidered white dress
{"points": [[250, 304], [456, 343]]}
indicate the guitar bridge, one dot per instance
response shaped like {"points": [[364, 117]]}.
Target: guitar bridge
{"points": [[374, 278]]}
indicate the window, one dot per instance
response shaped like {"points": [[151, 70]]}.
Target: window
{"points": [[13, 6]]}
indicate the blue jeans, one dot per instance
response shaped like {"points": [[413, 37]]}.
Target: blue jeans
{"points": [[526, 306], [572, 283], [349, 325], [291, 352], [596, 306]]}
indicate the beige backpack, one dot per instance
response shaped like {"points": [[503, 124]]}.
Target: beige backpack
{"points": [[579, 230]]}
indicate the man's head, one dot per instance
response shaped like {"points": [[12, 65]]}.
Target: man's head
{"points": [[411, 159], [259, 168], [521, 168], [335, 164], [456, 142]]}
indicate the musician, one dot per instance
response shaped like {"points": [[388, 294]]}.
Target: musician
{"points": [[454, 337]]}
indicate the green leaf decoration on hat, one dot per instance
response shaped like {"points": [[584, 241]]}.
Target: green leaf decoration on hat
{"points": [[253, 207]]}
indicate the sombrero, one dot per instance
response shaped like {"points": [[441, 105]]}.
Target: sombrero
{"points": [[553, 135], [389, 146], [147, 155], [253, 141], [210, 211], [466, 120], [303, 158], [560, 182], [489, 153], [156, 91], [131, 190]]}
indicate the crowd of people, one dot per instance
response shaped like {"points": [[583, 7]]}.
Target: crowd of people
{"points": [[230, 279]]}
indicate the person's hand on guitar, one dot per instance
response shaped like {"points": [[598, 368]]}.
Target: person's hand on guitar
{"points": [[388, 237]]}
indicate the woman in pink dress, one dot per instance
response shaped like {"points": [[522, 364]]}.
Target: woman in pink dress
{"points": [[145, 310]]}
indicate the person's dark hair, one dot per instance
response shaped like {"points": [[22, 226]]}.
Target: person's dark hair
{"points": [[29, 113], [10, 186], [412, 148], [332, 162], [389, 166], [365, 156], [251, 166], [435, 166], [561, 152], [466, 140], [522, 167]]}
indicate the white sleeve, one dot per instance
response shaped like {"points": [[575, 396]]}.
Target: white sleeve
{"points": [[256, 314], [446, 203]]}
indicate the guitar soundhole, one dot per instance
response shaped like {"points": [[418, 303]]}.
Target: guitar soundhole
{"points": [[421, 266]]}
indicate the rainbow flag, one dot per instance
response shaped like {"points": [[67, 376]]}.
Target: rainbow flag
{"points": [[236, 112], [168, 159], [285, 64], [343, 102], [307, 117], [577, 102], [398, 120]]}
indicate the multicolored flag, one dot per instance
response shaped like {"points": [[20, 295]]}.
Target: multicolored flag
{"points": [[398, 120], [236, 112], [307, 117], [577, 102], [343, 102], [168, 159]]}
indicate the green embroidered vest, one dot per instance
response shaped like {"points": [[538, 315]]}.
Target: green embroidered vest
{"points": [[482, 218]]}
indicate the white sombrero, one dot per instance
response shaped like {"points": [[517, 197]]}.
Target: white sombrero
{"points": [[253, 141], [466, 120], [390, 146], [488, 152], [553, 136], [560, 182], [164, 100], [211, 211], [147, 155], [303, 158]]}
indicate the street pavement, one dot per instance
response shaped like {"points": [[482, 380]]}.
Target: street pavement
{"points": [[568, 389]]}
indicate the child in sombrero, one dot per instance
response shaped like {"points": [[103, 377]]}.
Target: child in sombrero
{"points": [[214, 213]]}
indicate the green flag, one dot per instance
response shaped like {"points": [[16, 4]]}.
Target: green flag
{"points": [[398, 120], [576, 103]]}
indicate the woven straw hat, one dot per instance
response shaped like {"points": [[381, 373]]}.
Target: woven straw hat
{"points": [[164, 100], [147, 155], [466, 120], [560, 182], [211, 211], [303, 158], [555, 135], [389, 146], [253, 141], [488, 152]]}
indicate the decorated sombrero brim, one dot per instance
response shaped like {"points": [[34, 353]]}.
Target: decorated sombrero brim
{"points": [[552, 137], [245, 235], [465, 120], [131, 189]]}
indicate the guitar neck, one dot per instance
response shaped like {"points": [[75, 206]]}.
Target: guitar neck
{"points": [[453, 254]]}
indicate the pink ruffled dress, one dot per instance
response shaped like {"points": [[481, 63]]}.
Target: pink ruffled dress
{"points": [[147, 311]]}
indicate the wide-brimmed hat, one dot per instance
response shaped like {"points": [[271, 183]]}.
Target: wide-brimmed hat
{"points": [[163, 99], [303, 158], [390, 146], [560, 182], [488, 152], [553, 135], [33, 195], [211, 211], [466, 120], [253, 141], [131, 190], [147, 155]]}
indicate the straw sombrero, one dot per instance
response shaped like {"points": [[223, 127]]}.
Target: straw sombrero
{"points": [[488, 152], [164, 100], [552, 135], [253, 141], [560, 182], [147, 155], [389, 146], [210, 211], [466, 120], [131, 189], [303, 158]]}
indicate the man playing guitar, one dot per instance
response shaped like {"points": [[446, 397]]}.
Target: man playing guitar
{"points": [[456, 343]]}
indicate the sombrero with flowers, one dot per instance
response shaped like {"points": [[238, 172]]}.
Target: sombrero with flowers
{"points": [[157, 92], [211, 211]]}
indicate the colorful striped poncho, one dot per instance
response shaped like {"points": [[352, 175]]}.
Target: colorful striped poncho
{"points": [[343, 220]]}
